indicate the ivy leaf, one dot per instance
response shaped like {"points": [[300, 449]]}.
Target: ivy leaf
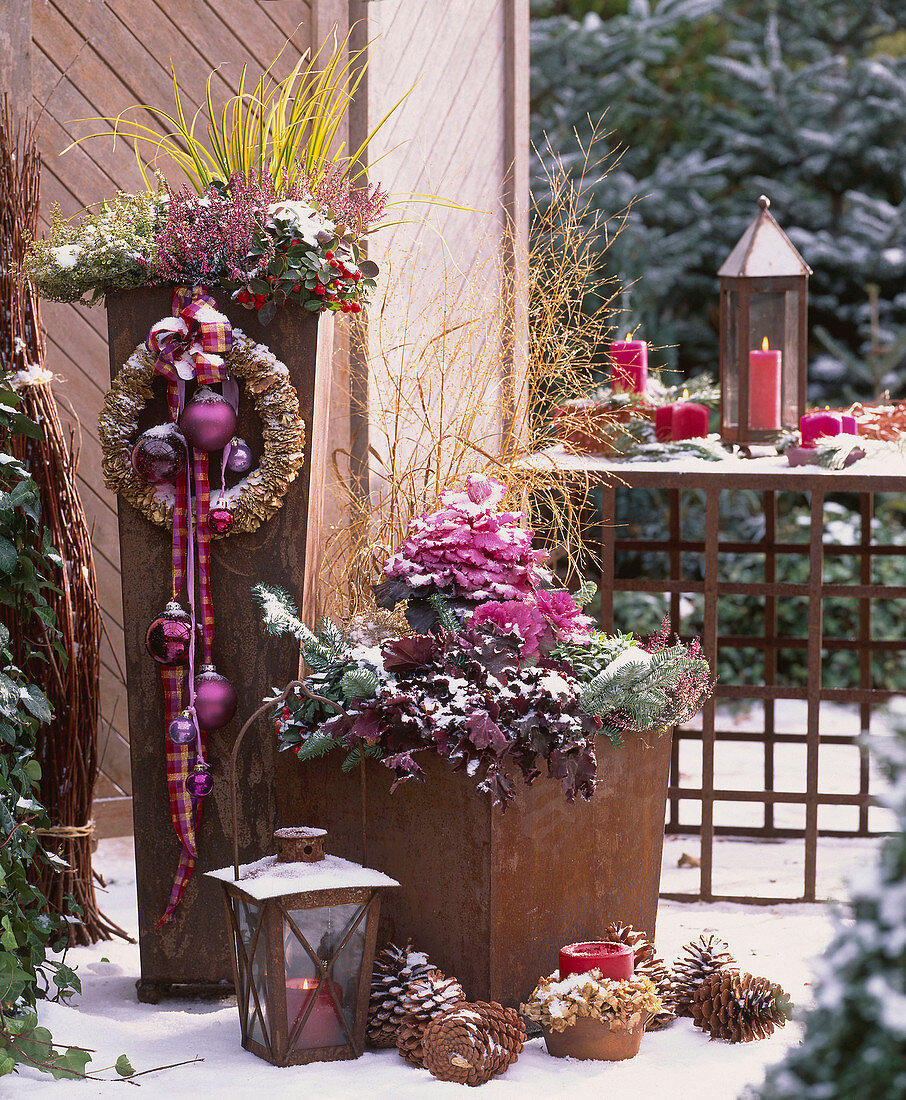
{"points": [[267, 313], [35, 702], [8, 560], [124, 1066]]}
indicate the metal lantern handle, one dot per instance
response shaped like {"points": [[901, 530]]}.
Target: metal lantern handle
{"points": [[269, 705]]}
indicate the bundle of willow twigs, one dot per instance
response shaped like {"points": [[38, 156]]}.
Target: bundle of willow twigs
{"points": [[67, 748]]}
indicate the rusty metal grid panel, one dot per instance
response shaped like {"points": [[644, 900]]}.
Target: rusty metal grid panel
{"points": [[707, 547]]}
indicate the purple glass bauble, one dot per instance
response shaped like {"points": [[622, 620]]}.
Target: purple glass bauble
{"points": [[215, 699], [169, 636], [220, 520], [159, 455], [181, 730], [208, 421], [240, 460], [199, 781]]}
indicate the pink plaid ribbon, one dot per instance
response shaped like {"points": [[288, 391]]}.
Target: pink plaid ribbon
{"points": [[189, 345]]}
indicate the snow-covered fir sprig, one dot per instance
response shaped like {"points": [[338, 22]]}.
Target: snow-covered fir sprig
{"points": [[709, 448]]}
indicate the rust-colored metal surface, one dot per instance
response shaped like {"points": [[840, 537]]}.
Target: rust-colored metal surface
{"points": [[493, 897], [283, 551], [707, 548]]}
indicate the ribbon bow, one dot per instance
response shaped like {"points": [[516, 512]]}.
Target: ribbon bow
{"points": [[192, 343]]}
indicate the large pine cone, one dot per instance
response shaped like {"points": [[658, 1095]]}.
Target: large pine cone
{"points": [[394, 969], [647, 964], [419, 1003], [706, 956], [472, 1043], [739, 1007]]}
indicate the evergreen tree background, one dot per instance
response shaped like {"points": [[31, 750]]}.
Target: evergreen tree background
{"points": [[715, 102], [855, 1036]]}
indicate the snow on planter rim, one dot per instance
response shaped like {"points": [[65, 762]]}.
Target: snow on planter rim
{"points": [[267, 878]]}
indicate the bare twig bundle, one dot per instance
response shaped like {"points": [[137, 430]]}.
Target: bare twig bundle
{"points": [[462, 393], [67, 749]]}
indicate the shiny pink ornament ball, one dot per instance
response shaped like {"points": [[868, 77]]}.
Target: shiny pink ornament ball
{"points": [[181, 730], [208, 421], [240, 460], [159, 455], [220, 520], [169, 635], [199, 781], [215, 699]]}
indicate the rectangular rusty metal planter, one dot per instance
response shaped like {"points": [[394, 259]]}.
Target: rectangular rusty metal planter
{"points": [[192, 948], [492, 897]]}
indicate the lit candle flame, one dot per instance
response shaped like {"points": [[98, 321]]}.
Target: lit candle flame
{"points": [[685, 395], [765, 346]]}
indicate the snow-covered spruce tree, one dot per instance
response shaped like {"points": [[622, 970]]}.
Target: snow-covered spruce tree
{"points": [[715, 102], [855, 1036]]}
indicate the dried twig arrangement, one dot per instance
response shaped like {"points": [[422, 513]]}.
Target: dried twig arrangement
{"points": [[67, 748]]}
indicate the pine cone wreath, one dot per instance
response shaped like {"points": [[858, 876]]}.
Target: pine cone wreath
{"points": [[705, 956], [647, 964], [472, 1043], [419, 1003], [394, 969], [739, 1007]]}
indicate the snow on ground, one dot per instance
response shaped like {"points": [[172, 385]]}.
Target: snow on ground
{"points": [[778, 942]]}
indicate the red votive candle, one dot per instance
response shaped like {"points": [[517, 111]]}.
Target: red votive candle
{"points": [[614, 960], [690, 421], [764, 388], [850, 426], [323, 1027], [663, 423], [815, 425], [629, 366]]}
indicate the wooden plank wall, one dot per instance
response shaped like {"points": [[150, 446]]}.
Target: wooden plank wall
{"points": [[91, 59]]}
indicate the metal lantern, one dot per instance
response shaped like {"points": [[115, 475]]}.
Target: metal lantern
{"points": [[763, 332], [304, 927]]}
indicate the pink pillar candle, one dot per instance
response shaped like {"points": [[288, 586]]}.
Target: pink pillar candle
{"points": [[663, 423], [629, 366], [614, 960], [323, 1027], [815, 425], [690, 421], [850, 425], [764, 388]]}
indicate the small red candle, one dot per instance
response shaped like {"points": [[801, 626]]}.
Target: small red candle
{"points": [[764, 388], [614, 960], [690, 420], [850, 425], [323, 1027], [629, 366], [815, 425], [663, 423]]}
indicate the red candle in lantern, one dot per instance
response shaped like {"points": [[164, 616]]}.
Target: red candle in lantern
{"points": [[764, 388], [690, 420], [850, 425], [815, 425], [629, 366], [614, 960], [323, 1027]]}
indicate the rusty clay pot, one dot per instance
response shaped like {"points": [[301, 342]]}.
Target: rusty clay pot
{"points": [[590, 1039]]}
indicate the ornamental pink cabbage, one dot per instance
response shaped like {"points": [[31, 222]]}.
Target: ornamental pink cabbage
{"points": [[564, 615], [469, 549], [513, 617]]}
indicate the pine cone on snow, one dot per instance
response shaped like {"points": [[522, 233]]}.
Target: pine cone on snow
{"points": [[419, 1003], [472, 1043], [647, 964], [706, 956], [739, 1007], [394, 969]]}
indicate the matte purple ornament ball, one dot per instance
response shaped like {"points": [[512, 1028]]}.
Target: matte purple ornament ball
{"points": [[181, 730], [208, 421], [199, 781], [169, 635], [215, 699], [240, 460], [159, 455], [220, 520]]}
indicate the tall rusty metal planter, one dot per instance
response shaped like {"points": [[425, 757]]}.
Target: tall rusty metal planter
{"points": [[285, 551], [492, 897]]}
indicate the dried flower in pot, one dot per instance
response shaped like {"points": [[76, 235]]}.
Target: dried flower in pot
{"points": [[586, 1016]]}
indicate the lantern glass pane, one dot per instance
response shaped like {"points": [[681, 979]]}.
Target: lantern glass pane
{"points": [[767, 318], [324, 930], [258, 1023], [729, 336], [246, 916], [791, 366]]}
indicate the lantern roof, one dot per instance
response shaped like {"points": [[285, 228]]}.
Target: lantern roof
{"points": [[764, 250], [268, 878]]}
